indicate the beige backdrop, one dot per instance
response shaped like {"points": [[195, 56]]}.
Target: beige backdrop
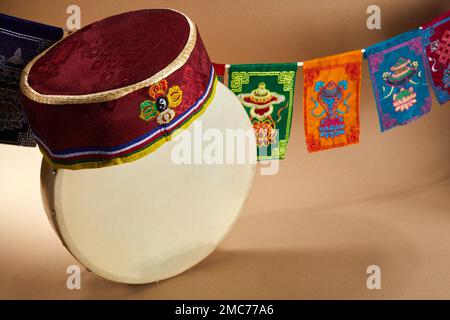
{"points": [[311, 230]]}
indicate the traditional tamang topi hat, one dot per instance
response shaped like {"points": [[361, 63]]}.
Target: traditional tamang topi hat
{"points": [[117, 89]]}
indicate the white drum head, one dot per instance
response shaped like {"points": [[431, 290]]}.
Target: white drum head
{"points": [[152, 219]]}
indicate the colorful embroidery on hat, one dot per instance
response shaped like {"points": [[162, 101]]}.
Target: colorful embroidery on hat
{"points": [[136, 149], [162, 102]]}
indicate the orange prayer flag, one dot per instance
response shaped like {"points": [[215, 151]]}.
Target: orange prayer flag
{"points": [[331, 100]]}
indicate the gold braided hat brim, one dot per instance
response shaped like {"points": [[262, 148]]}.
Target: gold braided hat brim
{"points": [[109, 95]]}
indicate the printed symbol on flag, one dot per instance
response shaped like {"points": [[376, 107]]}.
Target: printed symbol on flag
{"points": [[330, 98], [261, 101], [443, 49], [400, 74], [434, 46]]}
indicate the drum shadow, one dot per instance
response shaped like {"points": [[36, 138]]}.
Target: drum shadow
{"points": [[300, 255], [318, 266], [286, 254], [282, 274], [328, 273]]}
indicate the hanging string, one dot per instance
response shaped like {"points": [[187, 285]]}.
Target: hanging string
{"points": [[300, 63]]}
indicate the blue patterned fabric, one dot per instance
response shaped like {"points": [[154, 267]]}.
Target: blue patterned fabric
{"points": [[397, 71], [20, 41]]}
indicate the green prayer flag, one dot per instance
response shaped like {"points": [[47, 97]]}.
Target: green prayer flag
{"points": [[267, 93]]}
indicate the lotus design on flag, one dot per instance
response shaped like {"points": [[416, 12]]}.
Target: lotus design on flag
{"points": [[404, 99], [265, 133]]}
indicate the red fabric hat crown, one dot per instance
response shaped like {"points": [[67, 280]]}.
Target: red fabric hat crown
{"points": [[117, 89]]}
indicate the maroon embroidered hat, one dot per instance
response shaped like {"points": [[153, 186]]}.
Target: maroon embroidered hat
{"points": [[117, 89]]}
